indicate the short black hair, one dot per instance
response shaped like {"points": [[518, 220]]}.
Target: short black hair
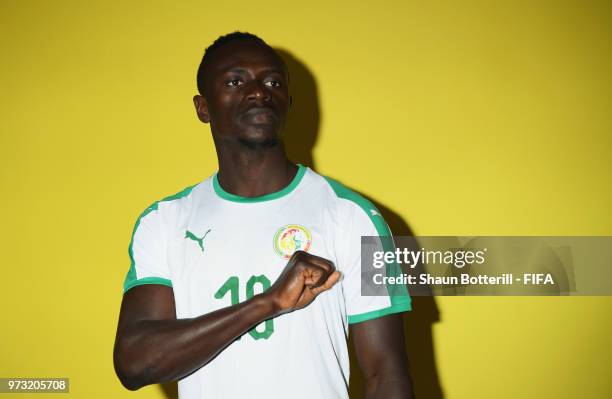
{"points": [[220, 42]]}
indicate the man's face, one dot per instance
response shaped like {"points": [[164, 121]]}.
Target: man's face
{"points": [[246, 94]]}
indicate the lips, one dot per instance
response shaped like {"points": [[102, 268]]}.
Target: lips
{"points": [[260, 115]]}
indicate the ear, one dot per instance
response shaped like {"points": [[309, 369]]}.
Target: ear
{"points": [[201, 108]]}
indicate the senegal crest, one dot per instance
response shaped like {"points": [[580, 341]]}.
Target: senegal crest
{"points": [[291, 238]]}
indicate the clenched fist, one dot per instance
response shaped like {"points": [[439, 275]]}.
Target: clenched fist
{"points": [[304, 277]]}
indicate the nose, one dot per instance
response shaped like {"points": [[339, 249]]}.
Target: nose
{"points": [[257, 92]]}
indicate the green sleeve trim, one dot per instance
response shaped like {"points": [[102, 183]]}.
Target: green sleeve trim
{"points": [[399, 306], [147, 280], [398, 293], [272, 196], [131, 277], [367, 206]]}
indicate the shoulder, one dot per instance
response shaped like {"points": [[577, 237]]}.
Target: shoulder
{"points": [[170, 206], [348, 203]]}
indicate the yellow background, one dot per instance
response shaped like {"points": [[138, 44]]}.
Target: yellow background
{"points": [[463, 118]]}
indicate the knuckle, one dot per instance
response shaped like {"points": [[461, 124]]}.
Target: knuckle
{"points": [[304, 259]]}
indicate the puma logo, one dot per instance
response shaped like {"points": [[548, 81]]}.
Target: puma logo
{"points": [[200, 241], [374, 213]]}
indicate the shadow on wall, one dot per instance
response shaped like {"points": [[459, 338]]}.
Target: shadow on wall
{"points": [[301, 131], [301, 134], [418, 325]]}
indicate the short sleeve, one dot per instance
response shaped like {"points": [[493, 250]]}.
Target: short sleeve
{"points": [[367, 221], [147, 250]]}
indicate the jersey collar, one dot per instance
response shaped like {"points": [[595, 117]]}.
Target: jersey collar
{"points": [[267, 197]]}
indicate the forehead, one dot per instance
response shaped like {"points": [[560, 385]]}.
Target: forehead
{"points": [[245, 54]]}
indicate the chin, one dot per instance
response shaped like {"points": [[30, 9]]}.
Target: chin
{"points": [[259, 143], [260, 137]]}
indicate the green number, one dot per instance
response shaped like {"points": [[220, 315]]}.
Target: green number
{"points": [[230, 285], [233, 284], [250, 292]]}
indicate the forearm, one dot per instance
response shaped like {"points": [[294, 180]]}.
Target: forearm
{"points": [[153, 351], [389, 387]]}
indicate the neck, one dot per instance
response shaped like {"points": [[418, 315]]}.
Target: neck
{"points": [[250, 171]]}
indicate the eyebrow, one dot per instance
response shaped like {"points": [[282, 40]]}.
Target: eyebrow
{"points": [[242, 70]]}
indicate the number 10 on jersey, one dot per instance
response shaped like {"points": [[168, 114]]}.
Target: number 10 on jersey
{"points": [[232, 285]]}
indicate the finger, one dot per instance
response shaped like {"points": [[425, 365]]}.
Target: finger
{"points": [[322, 263], [316, 260], [315, 275], [333, 279], [322, 274]]}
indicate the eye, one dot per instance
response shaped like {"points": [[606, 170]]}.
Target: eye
{"points": [[273, 83], [233, 82]]}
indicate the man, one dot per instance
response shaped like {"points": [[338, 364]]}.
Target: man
{"points": [[244, 285]]}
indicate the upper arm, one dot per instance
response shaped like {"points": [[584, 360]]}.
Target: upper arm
{"points": [[366, 300], [380, 347], [148, 293], [148, 251], [139, 304], [146, 302]]}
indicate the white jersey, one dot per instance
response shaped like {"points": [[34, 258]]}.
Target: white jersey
{"points": [[216, 249]]}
